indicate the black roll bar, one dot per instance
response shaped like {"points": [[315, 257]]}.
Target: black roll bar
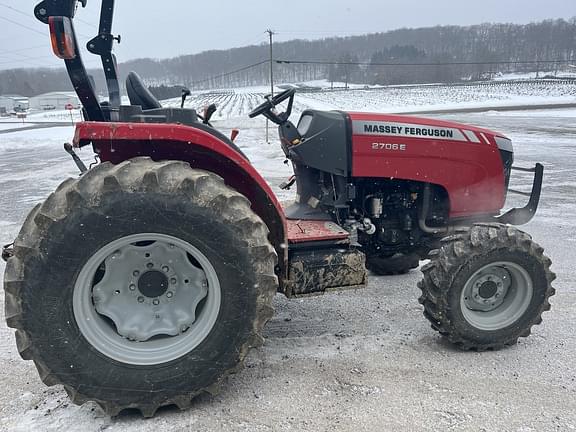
{"points": [[101, 45]]}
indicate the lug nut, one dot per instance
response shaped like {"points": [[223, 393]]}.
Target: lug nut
{"points": [[173, 281], [136, 273], [149, 265], [140, 299], [165, 269], [156, 302], [132, 287], [169, 294]]}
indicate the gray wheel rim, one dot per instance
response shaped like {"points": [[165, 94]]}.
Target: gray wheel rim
{"points": [[146, 299], [496, 296]]}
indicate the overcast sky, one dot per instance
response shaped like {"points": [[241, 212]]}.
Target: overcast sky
{"points": [[167, 28]]}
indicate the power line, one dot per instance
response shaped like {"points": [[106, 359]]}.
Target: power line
{"points": [[23, 49], [23, 26], [214, 77], [21, 12], [28, 60], [338, 63], [16, 10]]}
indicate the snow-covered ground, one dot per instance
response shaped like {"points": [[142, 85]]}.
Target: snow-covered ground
{"points": [[534, 75], [238, 102], [364, 360]]}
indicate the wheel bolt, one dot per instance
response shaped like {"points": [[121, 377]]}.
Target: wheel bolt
{"points": [[169, 294], [136, 273], [132, 287], [140, 299], [173, 281], [150, 265], [156, 302], [165, 269]]}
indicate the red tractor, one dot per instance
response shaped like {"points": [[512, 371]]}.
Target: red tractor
{"points": [[145, 281]]}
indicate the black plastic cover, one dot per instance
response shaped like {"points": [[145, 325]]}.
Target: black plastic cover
{"points": [[325, 142]]}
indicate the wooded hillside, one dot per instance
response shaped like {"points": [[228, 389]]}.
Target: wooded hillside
{"points": [[401, 56]]}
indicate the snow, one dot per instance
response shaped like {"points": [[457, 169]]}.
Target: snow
{"points": [[534, 75], [397, 99]]}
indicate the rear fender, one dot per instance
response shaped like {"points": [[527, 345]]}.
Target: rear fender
{"points": [[117, 142]]}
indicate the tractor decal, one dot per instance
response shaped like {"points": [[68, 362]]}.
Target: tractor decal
{"points": [[407, 130]]}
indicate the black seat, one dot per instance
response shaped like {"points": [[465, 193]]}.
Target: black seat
{"points": [[139, 94]]}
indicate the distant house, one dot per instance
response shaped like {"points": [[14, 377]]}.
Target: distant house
{"points": [[12, 103], [53, 101]]}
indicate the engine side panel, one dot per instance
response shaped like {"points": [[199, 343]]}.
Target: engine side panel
{"points": [[464, 160]]}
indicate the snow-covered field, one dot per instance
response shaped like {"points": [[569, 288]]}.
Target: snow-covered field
{"points": [[363, 360], [238, 102]]}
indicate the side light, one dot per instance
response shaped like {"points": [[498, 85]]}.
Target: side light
{"points": [[62, 37]]}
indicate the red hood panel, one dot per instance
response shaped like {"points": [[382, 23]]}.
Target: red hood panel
{"points": [[464, 160]]}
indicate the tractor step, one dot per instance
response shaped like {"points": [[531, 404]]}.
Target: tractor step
{"points": [[321, 259], [306, 231], [317, 271]]}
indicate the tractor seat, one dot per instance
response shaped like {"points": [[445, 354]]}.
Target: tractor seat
{"points": [[139, 94]]}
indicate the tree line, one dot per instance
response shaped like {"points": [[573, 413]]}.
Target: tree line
{"points": [[411, 56]]}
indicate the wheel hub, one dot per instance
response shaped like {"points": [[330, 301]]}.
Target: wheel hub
{"points": [[150, 289], [153, 284], [487, 289], [497, 295]]}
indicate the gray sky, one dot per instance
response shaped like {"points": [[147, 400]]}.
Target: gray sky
{"points": [[168, 28]]}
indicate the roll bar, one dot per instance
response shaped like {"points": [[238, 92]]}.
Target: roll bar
{"points": [[101, 45]]}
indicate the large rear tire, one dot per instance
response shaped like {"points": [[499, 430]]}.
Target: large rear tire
{"points": [[486, 287], [140, 285]]}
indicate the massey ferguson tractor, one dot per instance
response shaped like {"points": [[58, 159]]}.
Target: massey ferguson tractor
{"points": [[145, 281]]}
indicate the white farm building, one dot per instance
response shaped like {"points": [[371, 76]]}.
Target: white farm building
{"points": [[10, 103], [54, 101]]}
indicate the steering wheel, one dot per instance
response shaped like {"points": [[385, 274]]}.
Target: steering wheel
{"points": [[271, 102]]}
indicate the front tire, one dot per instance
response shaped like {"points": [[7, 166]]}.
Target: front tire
{"points": [[486, 287], [140, 285]]}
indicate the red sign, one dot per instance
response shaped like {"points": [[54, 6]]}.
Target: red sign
{"points": [[69, 107]]}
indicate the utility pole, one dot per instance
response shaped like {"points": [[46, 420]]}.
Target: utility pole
{"points": [[271, 34]]}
